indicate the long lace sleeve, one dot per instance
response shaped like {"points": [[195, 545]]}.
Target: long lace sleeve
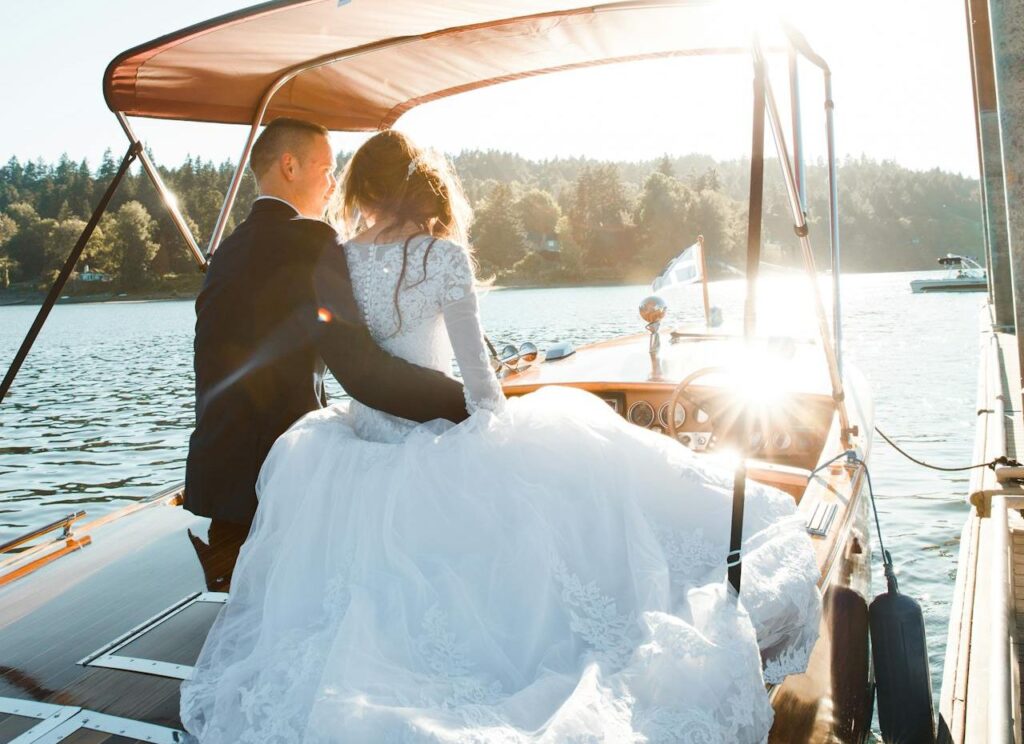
{"points": [[462, 320]]}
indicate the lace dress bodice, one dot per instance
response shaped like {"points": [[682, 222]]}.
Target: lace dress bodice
{"points": [[435, 315]]}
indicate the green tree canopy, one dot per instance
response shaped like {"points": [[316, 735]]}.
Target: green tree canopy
{"points": [[538, 213], [610, 218], [497, 233], [597, 215], [132, 244], [8, 229]]}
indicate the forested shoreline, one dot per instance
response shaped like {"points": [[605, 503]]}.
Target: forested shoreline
{"points": [[553, 222]]}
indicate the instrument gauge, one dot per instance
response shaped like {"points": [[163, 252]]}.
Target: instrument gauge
{"points": [[641, 413], [680, 417], [702, 416], [781, 440]]}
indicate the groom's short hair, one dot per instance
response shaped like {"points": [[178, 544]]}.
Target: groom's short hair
{"points": [[278, 137]]}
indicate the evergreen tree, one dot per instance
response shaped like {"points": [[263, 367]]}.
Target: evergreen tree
{"points": [[8, 229], [597, 212], [664, 220], [538, 213], [132, 244], [708, 181], [497, 234]]}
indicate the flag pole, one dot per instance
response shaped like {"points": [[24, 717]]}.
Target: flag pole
{"points": [[704, 281]]}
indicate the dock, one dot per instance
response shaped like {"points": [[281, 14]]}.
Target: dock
{"points": [[980, 699]]}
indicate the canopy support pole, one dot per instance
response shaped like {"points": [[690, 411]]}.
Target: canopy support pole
{"points": [[254, 128], [800, 226], [236, 181], [734, 563], [165, 195], [833, 222], [134, 151], [799, 43], [754, 212], [798, 129]]}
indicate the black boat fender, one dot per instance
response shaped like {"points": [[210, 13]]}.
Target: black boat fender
{"points": [[902, 677], [899, 650]]}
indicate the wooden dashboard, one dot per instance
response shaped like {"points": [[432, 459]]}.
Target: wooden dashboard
{"points": [[790, 432]]}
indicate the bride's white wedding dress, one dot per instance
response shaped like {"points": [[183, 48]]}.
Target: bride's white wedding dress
{"points": [[543, 572]]}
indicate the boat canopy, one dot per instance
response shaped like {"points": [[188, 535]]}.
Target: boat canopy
{"points": [[351, 67], [951, 259]]}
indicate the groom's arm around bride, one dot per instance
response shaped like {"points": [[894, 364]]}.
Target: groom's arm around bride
{"points": [[276, 305]]}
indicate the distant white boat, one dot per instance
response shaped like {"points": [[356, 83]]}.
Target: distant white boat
{"points": [[963, 274]]}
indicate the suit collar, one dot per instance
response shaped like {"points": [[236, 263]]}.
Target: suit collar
{"points": [[274, 205]]}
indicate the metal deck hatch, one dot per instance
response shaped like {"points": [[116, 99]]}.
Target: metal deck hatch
{"points": [[23, 721], [167, 644], [29, 722]]}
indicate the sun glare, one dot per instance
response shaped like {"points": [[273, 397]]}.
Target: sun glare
{"points": [[761, 386]]}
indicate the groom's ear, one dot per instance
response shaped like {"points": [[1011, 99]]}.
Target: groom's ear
{"points": [[288, 165]]}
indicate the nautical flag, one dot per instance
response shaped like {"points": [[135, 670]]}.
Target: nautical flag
{"points": [[683, 269]]}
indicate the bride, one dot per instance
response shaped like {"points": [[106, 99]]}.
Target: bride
{"points": [[542, 572]]}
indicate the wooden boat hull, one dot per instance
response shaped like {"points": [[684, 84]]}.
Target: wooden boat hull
{"points": [[833, 700]]}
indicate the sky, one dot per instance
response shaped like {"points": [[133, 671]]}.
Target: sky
{"points": [[901, 76]]}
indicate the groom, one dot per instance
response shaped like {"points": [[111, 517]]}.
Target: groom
{"points": [[276, 305]]}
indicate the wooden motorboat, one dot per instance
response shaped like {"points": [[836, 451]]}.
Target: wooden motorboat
{"points": [[101, 619], [963, 274], [98, 626]]}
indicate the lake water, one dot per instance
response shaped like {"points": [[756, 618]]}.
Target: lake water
{"points": [[101, 411]]}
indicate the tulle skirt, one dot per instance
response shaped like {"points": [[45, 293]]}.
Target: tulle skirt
{"points": [[549, 573]]}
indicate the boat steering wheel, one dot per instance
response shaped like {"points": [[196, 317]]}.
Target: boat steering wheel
{"points": [[682, 394]]}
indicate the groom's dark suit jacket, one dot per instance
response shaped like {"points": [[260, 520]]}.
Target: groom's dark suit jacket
{"points": [[260, 353]]}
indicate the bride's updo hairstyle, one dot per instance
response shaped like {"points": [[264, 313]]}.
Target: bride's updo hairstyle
{"points": [[402, 183]]}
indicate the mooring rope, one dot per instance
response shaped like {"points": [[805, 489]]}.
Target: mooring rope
{"points": [[1001, 460]]}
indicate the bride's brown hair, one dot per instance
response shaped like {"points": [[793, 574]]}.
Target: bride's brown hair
{"points": [[391, 176], [398, 181]]}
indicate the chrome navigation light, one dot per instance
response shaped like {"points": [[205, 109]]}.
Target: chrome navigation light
{"points": [[653, 310], [781, 440]]}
